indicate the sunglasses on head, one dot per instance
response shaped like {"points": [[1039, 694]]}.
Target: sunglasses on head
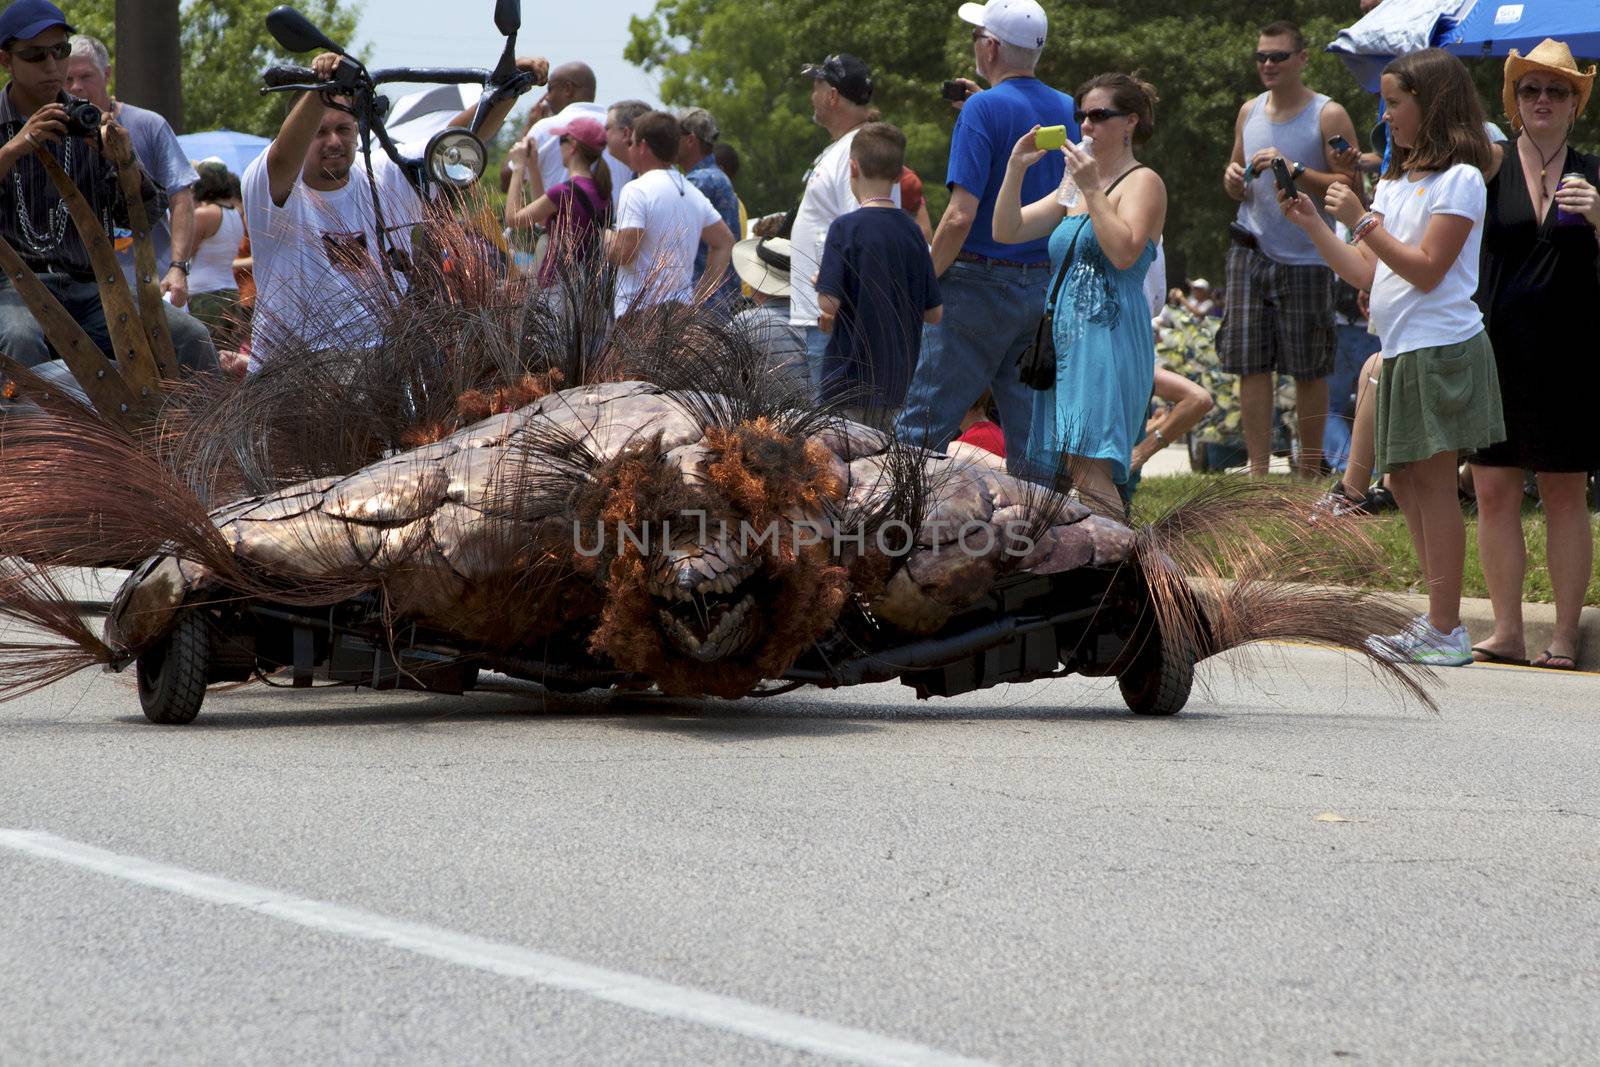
{"points": [[1098, 114], [1557, 92], [1274, 57], [38, 54]]}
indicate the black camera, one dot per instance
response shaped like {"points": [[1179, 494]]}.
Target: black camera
{"points": [[83, 118]]}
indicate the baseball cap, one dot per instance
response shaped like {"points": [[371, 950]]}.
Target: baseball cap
{"points": [[582, 128], [30, 18], [846, 73], [698, 121], [1020, 23], [762, 263]]}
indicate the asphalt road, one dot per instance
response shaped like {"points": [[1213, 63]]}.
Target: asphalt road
{"points": [[1300, 868]]}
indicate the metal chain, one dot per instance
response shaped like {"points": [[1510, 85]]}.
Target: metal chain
{"points": [[57, 217]]}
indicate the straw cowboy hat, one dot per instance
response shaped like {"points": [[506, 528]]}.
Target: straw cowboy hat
{"points": [[1549, 56]]}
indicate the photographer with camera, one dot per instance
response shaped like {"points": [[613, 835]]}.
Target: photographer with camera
{"points": [[36, 116], [993, 291]]}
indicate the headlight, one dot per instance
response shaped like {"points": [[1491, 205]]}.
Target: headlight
{"points": [[456, 158]]}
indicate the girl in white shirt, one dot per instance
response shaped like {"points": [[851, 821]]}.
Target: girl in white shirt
{"points": [[1416, 251]]}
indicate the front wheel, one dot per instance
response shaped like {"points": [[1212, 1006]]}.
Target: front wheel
{"points": [[172, 672], [1158, 680]]}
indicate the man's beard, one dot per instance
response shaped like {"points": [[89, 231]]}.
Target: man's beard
{"points": [[335, 170]]}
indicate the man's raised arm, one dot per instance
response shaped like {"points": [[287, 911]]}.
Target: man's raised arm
{"points": [[286, 155]]}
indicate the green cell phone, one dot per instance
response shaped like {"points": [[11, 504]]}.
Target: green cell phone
{"points": [[1049, 137]]}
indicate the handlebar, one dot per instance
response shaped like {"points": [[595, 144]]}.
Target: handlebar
{"points": [[284, 78]]}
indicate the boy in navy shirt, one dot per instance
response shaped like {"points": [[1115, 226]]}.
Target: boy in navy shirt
{"points": [[875, 287]]}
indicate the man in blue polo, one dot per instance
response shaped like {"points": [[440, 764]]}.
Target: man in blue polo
{"points": [[993, 293]]}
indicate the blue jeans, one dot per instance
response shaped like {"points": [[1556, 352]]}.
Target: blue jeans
{"points": [[816, 344], [23, 340], [991, 313], [1354, 345]]}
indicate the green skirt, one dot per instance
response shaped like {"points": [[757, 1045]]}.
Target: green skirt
{"points": [[1441, 399]]}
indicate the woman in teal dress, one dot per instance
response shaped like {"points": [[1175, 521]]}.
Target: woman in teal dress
{"points": [[1087, 425]]}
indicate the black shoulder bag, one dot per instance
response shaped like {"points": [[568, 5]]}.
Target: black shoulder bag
{"points": [[1037, 364]]}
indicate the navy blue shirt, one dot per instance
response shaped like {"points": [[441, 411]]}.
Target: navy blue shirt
{"points": [[989, 126], [876, 262]]}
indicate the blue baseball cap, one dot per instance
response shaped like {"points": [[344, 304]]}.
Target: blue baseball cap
{"points": [[29, 18]]}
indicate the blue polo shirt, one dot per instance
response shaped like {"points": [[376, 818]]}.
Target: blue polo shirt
{"points": [[987, 128]]}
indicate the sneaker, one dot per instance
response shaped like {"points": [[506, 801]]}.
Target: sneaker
{"points": [[1385, 644], [1424, 644], [1337, 504]]}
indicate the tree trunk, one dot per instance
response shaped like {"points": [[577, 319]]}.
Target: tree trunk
{"points": [[149, 60]]}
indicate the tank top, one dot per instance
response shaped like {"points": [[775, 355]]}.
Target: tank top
{"points": [[1300, 140], [212, 268]]}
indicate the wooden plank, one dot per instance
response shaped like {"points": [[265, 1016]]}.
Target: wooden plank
{"points": [[130, 346], [107, 391], [144, 271]]}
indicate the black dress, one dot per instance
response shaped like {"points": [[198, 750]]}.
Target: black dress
{"points": [[1539, 288]]}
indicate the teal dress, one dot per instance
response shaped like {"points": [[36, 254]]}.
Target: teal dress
{"points": [[1105, 357]]}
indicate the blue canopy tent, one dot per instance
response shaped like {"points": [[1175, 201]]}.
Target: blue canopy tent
{"points": [[1466, 27], [1394, 28], [1493, 27], [237, 150]]}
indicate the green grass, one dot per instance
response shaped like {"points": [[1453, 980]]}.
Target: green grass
{"points": [[1388, 530]]}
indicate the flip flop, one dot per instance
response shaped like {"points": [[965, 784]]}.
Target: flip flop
{"points": [[1489, 655], [1553, 661]]}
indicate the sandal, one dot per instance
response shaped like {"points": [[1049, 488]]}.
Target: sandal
{"points": [[1555, 661], [1489, 655]]}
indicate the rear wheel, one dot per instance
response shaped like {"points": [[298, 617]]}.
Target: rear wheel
{"points": [[172, 673], [1158, 680]]}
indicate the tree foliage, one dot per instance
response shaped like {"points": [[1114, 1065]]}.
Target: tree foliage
{"points": [[225, 46], [742, 60]]}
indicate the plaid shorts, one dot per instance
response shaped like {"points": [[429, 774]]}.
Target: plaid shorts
{"points": [[1278, 317]]}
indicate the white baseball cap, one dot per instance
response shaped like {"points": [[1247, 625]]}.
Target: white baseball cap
{"points": [[1020, 23]]}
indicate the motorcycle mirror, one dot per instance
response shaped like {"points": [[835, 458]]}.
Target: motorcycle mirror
{"points": [[508, 16], [296, 33]]}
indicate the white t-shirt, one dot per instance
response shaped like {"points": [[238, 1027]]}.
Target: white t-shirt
{"points": [[827, 196], [671, 212], [549, 146], [1403, 316], [316, 257]]}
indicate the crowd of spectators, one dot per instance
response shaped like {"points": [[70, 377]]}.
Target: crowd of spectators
{"points": [[1018, 321]]}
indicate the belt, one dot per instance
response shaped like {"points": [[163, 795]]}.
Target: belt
{"points": [[989, 261], [1243, 237]]}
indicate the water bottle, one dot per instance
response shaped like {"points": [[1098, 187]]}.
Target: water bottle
{"points": [[1067, 195]]}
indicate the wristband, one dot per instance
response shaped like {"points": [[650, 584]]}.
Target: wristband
{"points": [[1364, 226], [1158, 435]]}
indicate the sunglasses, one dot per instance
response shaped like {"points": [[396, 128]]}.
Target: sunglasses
{"points": [[1098, 115], [38, 54], [979, 35], [1274, 57], [1558, 93]]}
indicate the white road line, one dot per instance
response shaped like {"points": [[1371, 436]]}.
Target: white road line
{"points": [[511, 961]]}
